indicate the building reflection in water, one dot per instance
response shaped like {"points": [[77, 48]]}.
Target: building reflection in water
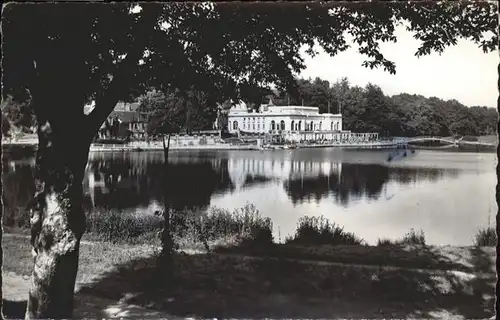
{"points": [[135, 180], [240, 170]]}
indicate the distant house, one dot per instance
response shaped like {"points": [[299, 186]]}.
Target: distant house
{"points": [[125, 122]]}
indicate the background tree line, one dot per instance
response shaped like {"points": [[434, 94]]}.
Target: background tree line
{"points": [[365, 109], [368, 109]]}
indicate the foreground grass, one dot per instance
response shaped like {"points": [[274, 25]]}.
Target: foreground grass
{"points": [[267, 285], [95, 257], [225, 286]]}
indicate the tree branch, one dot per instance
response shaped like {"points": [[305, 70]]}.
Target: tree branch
{"points": [[105, 104]]}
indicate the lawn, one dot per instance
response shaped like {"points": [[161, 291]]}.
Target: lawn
{"points": [[242, 283]]}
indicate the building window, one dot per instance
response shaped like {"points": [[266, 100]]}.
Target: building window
{"points": [[331, 126], [253, 125], [282, 125], [293, 124], [235, 125], [321, 125], [258, 126], [273, 125], [300, 125]]}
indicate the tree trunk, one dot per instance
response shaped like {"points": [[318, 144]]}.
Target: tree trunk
{"points": [[57, 216], [165, 261]]}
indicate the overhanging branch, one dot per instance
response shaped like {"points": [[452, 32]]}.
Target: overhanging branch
{"points": [[105, 103]]}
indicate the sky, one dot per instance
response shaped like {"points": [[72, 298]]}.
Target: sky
{"points": [[462, 72]]}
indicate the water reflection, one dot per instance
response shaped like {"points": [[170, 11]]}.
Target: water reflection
{"points": [[135, 180], [448, 195]]}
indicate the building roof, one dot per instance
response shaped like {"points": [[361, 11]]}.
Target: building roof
{"points": [[127, 106], [129, 116], [128, 112]]}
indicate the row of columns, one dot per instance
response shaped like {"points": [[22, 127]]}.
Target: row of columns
{"points": [[281, 125]]}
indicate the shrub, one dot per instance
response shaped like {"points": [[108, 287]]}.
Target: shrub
{"points": [[116, 226], [318, 231], [384, 242], [241, 225], [413, 237], [410, 238], [486, 237]]}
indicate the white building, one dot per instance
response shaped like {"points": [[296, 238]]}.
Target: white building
{"points": [[292, 123], [271, 118]]}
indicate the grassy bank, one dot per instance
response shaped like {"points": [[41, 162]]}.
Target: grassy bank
{"points": [[196, 228], [234, 285], [189, 228], [321, 271]]}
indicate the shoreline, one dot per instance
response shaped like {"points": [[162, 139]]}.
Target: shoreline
{"points": [[140, 147], [152, 147]]}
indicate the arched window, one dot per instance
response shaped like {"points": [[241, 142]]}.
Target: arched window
{"points": [[292, 127], [312, 126], [300, 125], [235, 125], [321, 125], [282, 125], [273, 125], [331, 126], [336, 126]]}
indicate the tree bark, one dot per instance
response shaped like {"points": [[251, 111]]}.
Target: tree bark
{"points": [[57, 216]]}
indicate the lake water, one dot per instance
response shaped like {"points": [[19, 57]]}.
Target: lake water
{"points": [[449, 195]]}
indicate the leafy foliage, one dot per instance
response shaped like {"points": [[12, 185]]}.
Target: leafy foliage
{"points": [[319, 231], [176, 111], [17, 115], [80, 52]]}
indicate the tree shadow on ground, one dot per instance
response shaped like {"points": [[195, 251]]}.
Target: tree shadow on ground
{"points": [[223, 286]]}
